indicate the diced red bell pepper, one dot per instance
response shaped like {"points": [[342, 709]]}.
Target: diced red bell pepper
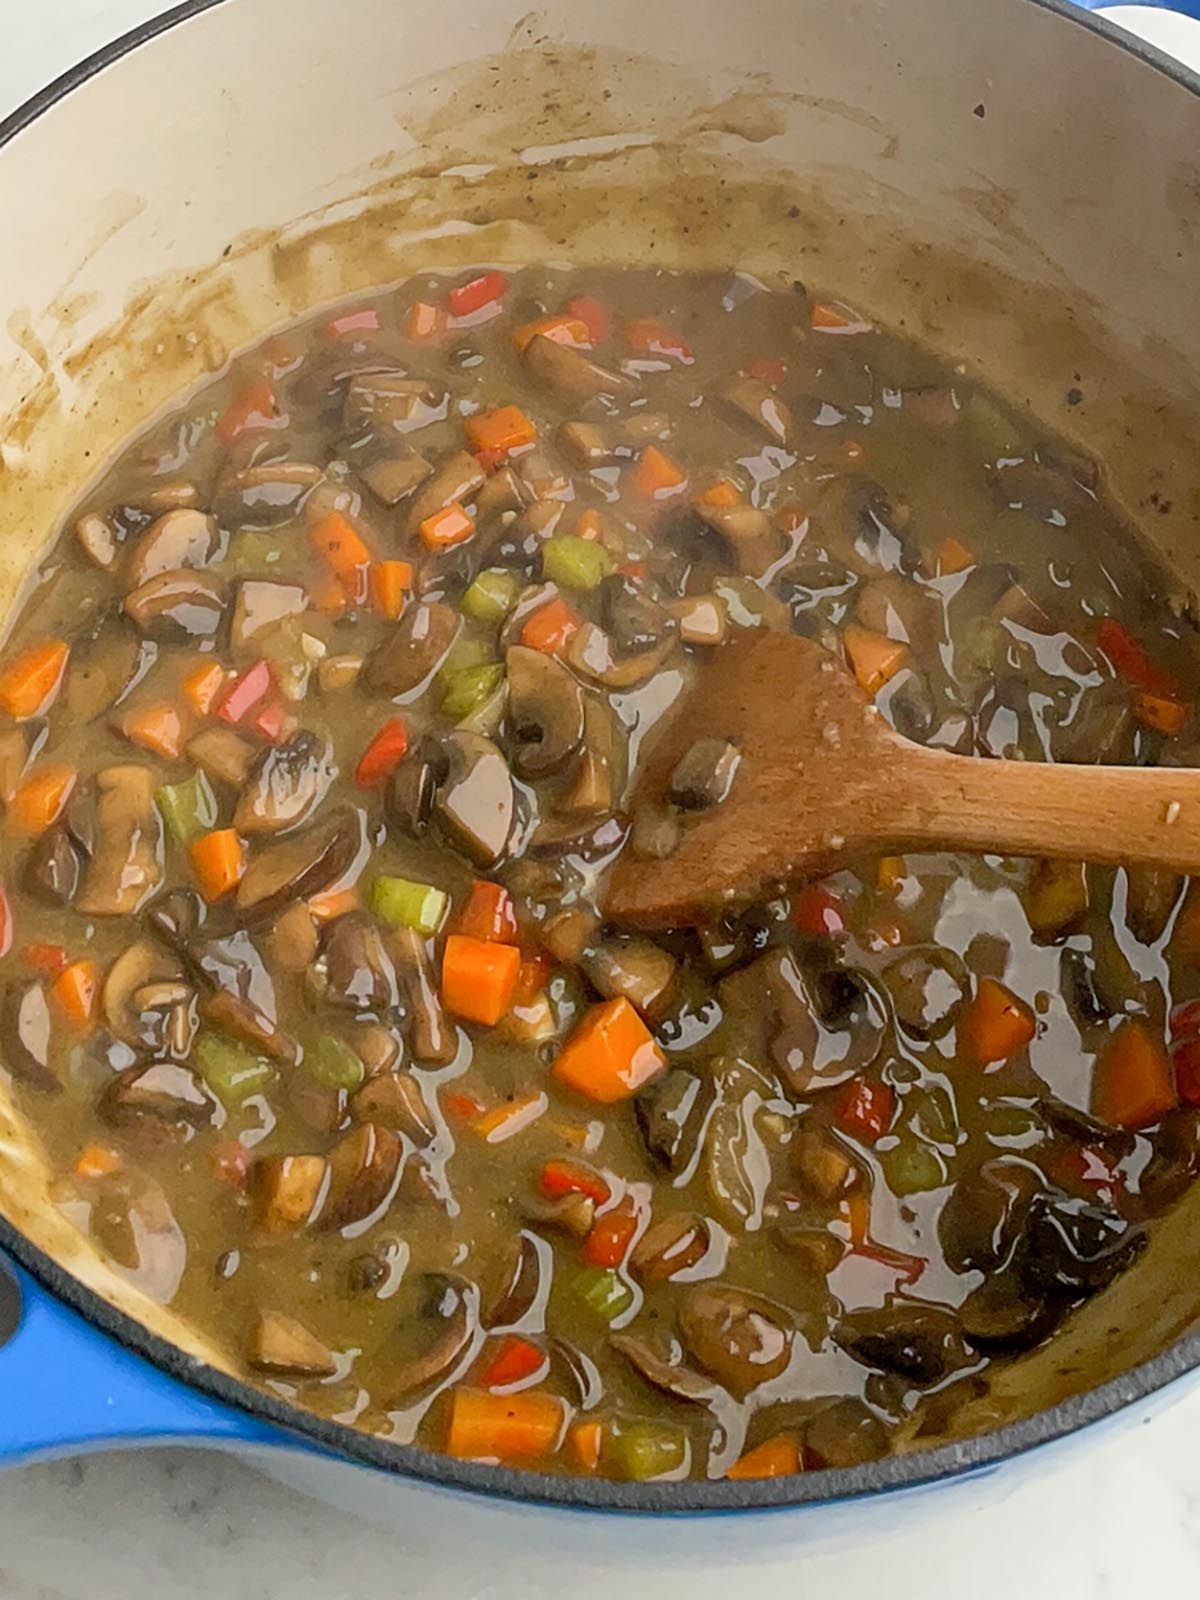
{"points": [[647, 336], [517, 1361], [252, 407], [1132, 662], [488, 913], [767, 369], [383, 755], [466, 298], [818, 913], [611, 1235], [365, 320], [273, 721], [593, 314], [462, 1105], [244, 694], [864, 1108], [569, 1177], [51, 958]]}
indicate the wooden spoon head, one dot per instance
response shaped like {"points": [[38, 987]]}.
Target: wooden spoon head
{"points": [[818, 765]]}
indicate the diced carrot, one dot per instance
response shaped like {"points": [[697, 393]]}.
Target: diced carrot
{"points": [[452, 525], [478, 978], [331, 905], [338, 541], [589, 524], [76, 989], [1160, 712], [507, 428], [490, 460], [97, 1161], [584, 1441], [159, 728], [610, 1236], [890, 873], [952, 556], [273, 721], [995, 1025], [1132, 662], [202, 686], [610, 1055], [647, 336], [383, 755], [424, 320], [532, 979], [30, 682], [462, 1105], [818, 913], [391, 581], [858, 1218], [231, 1163], [510, 1427], [488, 913], [364, 320], [505, 1121], [850, 451], [241, 696], [767, 369], [775, 1458], [252, 407], [551, 627], [50, 958], [467, 298], [826, 318], [40, 799], [864, 1108], [593, 314], [1132, 1085], [569, 1177], [562, 329], [873, 657], [515, 1361], [6, 926], [722, 493], [656, 475], [219, 862]]}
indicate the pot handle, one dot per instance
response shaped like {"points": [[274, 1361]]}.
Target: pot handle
{"points": [[66, 1387]]}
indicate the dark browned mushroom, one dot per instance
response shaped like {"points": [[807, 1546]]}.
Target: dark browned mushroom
{"points": [[476, 803], [25, 1044], [845, 1434], [174, 541], [141, 965], [320, 1106], [1150, 897], [285, 1348], [680, 1382], [741, 1338], [126, 867], [395, 1100], [705, 774], [285, 785], [391, 401], [591, 653], [669, 1246], [750, 400], [637, 969], [359, 974], [177, 606], [545, 707], [222, 754], [52, 867], [299, 866], [601, 767], [266, 495], [432, 1037], [397, 474], [671, 1114], [157, 1105], [102, 670], [823, 1165], [413, 650], [927, 987], [413, 789], [290, 943], [832, 1023], [920, 1343], [571, 375], [243, 1020], [518, 1281], [452, 1302], [752, 538], [287, 1191], [456, 479], [363, 1167], [259, 605]]}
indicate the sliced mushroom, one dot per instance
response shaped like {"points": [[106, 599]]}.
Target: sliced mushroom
{"points": [[823, 1165], [249, 1024], [267, 495], [98, 540], [591, 653], [222, 754], [1151, 894], [177, 606], [1000, 1317], [589, 837], [432, 1036], [285, 1348], [390, 400], [259, 605], [133, 1223], [632, 618], [927, 987], [395, 475], [140, 966], [601, 767], [571, 375], [680, 1382], [126, 868], [300, 866], [832, 1024], [602, 444], [456, 480], [750, 535], [287, 1191], [631, 968], [176, 919], [705, 774], [476, 803], [363, 1166], [285, 784], [413, 789], [670, 1246], [375, 1045], [320, 1106], [102, 670], [394, 1100], [741, 1338], [453, 1302], [25, 1045], [701, 619], [52, 867], [359, 971], [413, 650], [1072, 1247], [920, 1343], [572, 1214], [545, 707], [157, 1105], [671, 1114], [985, 1215], [750, 400], [175, 541], [844, 1434], [517, 1283], [290, 943]]}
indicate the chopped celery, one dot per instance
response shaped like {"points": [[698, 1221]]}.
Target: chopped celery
{"points": [[463, 653], [335, 1064], [604, 1290], [466, 690], [487, 716], [232, 1072], [575, 563], [404, 904], [913, 1167], [188, 809], [645, 1450], [251, 551], [491, 595], [1014, 1124], [991, 429]]}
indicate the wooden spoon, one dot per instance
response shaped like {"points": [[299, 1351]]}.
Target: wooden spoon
{"points": [[822, 779]]}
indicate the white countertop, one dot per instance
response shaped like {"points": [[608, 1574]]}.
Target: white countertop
{"points": [[1119, 1517]]}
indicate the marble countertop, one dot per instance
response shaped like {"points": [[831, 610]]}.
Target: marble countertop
{"points": [[1120, 1516]]}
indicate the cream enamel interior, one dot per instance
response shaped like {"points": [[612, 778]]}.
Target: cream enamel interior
{"points": [[1008, 186]]}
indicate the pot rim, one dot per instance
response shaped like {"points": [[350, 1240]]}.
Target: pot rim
{"points": [[938, 1464]]}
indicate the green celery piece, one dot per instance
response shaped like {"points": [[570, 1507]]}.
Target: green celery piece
{"points": [[188, 809], [334, 1063], [913, 1167], [575, 563], [487, 716], [465, 652], [604, 1290], [251, 551], [467, 689], [401, 903], [646, 1450], [491, 595], [232, 1072], [991, 429]]}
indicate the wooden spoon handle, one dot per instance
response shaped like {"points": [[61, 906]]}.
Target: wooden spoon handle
{"points": [[1107, 814]]}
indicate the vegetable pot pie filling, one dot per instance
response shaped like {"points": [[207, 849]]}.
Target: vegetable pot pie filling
{"points": [[319, 727]]}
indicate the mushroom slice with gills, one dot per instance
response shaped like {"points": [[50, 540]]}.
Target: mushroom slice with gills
{"points": [[588, 837], [671, 1114], [266, 495], [25, 1047], [285, 785], [285, 1348], [516, 1284], [158, 1105], [451, 1305], [630, 968], [919, 1343], [601, 766], [413, 650], [51, 870], [545, 709], [126, 866], [102, 670], [287, 1191], [832, 1024], [222, 754], [260, 604], [592, 654], [177, 606], [680, 1382], [457, 480], [670, 1246], [704, 774], [132, 1222], [632, 618], [242, 1020], [394, 1100], [363, 1167], [397, 474], [412, 789], [476, 803], [575, 1372], [358, 969], [742, 1339], [432, 1037], [141, 966], [299, 866], [571, 375], [751, 400], [177, 540]]}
